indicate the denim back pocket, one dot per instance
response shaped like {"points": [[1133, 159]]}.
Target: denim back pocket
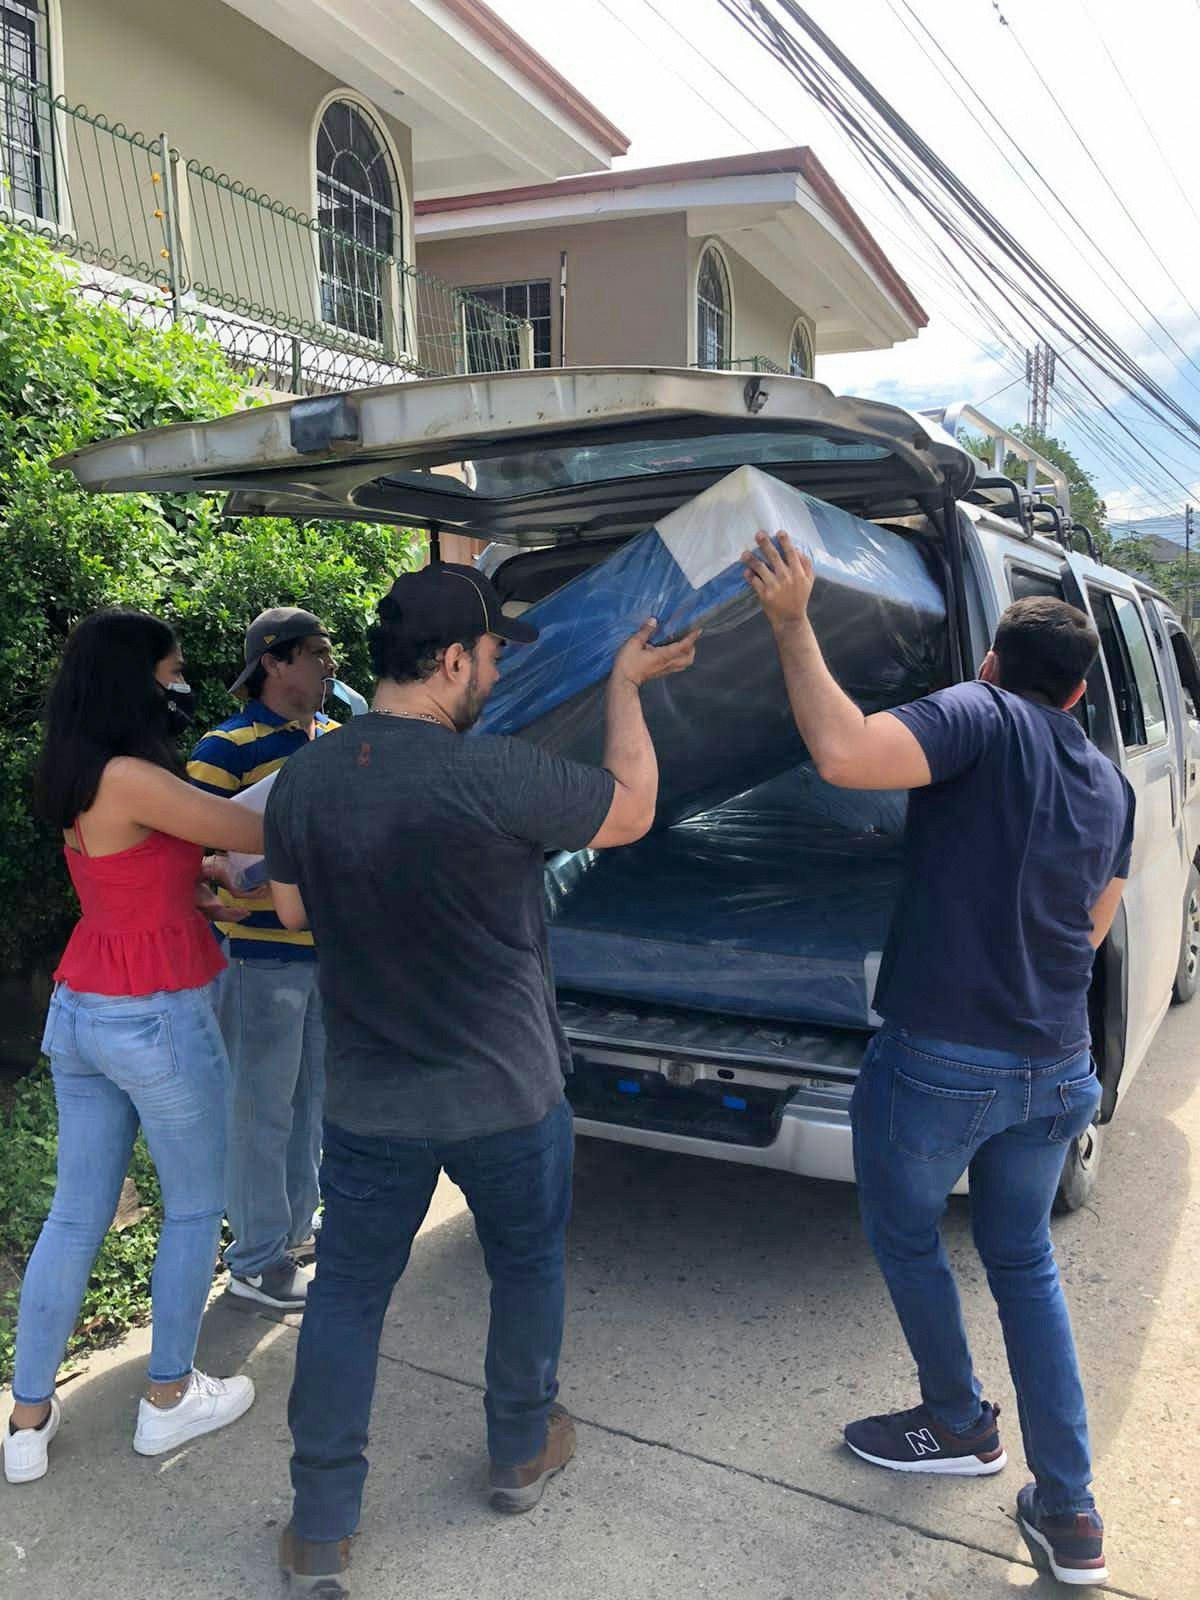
{"points": [[1080, 1102], [347, 1181], [54, 1024], [134, 1051], [931, 1123]]}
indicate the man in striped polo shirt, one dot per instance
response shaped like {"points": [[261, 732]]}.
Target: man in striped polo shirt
{"points": [[268, 1001]]}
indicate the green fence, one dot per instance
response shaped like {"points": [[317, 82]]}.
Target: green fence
{"points": [[313, 307]]}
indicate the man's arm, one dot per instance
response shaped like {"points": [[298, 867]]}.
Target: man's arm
{"points": [[1105, 911], [850, 750], [289, 907], [628, 749]]}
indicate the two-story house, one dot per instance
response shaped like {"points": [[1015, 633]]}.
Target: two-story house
{"points": [[344, 192], [261, 160], [753, 261]]}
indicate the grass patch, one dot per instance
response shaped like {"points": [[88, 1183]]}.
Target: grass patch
{"points": [[118, 1291]]}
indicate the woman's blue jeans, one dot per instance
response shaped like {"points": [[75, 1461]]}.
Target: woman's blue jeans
{"points": [[154, 1061], [924, 1112]]}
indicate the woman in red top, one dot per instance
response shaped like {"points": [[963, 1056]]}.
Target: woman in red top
{"points": [[131, 1034]]}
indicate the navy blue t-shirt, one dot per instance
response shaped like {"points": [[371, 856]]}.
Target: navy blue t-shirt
{"points": [[1005, 854]]}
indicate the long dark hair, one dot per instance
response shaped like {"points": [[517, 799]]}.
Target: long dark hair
{"points": [[104, 702]]}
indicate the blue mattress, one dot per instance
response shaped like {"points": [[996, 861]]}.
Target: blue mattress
{"points": [[725, 726], [774, 906]]}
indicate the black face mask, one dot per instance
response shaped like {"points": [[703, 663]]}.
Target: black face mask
{"points": [[180, 706]]}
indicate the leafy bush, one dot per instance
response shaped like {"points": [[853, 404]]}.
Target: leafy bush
{"points": [[118, 1293], [72, 373]]}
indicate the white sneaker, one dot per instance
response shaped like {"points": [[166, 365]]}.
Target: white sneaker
{"points": [[27, 1452], [207, 1404]]}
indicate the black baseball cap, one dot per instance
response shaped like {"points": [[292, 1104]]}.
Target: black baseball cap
{"points": [[269, 630], [449, 603]]}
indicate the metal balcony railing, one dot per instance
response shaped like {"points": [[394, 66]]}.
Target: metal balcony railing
{"points": [[744, 364], [300, 304]]}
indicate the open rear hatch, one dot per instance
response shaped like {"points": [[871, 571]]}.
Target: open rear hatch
{"points": [[539, 458]]}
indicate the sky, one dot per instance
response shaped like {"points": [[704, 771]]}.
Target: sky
{"points": [[683, 82]]}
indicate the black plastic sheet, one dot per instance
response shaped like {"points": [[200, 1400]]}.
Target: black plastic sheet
{"points": [[775, 905], [725, 726]]}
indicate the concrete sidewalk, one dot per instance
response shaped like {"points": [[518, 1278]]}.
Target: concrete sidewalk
{"points": [[722, 1325]]}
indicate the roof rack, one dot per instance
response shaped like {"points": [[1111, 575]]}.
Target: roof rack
{"points": [[1043, 480]]}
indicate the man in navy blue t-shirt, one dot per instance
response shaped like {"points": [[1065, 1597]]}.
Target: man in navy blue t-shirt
{"points": [[1017, 846]]}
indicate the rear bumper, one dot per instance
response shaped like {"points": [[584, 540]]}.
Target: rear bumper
{"points": [[812, 1139]]}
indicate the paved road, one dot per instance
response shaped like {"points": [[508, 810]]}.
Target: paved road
{"points": [[722, 1325]]}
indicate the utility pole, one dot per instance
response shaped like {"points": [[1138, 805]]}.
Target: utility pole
{"points": [[1039, 375], [1187, 569]]}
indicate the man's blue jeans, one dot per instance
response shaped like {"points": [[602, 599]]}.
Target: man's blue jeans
{"points": [[270, 1014], [377, 1191], [152, 1061], [923, 1112]]}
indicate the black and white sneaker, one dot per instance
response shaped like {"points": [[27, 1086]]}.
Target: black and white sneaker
{"points": [[283, 1287], [1071, 1546], [915, 1441]]}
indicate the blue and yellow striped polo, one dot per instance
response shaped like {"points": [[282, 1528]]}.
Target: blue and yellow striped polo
{"points": [[247, 747]]}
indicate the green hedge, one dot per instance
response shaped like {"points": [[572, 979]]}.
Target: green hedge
{"points": [[72, 372]]}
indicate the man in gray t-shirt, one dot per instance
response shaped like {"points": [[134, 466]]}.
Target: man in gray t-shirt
{"points": [[416, 855]]}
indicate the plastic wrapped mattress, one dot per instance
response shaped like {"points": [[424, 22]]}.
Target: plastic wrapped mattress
{"points": [[724, 726], [775, 905]]}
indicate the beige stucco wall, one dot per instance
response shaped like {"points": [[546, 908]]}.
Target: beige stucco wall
{"points": [[626, 283], [630, 288], [230, 96], [763, 317]]}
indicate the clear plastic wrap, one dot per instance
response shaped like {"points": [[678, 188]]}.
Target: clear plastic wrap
{"points": [[725, 726], [775, 905]]}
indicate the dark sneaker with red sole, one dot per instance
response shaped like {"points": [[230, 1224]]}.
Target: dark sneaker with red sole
{"points": [[1072, 1546], [915, 1441], [516, 1489]]}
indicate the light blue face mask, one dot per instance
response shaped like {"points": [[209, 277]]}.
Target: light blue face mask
{"points": [[349, 697]]}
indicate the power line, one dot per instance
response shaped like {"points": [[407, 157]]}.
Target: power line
{"points": [[950, 282], [1017, 277], [674, 71], [1087, 150], [713, 67], [1020, 378], [1108, 446], [953, 284], [1137, 106], [1081, 231]]}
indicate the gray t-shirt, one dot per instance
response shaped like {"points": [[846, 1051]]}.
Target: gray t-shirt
{"points": [[418, 854]]}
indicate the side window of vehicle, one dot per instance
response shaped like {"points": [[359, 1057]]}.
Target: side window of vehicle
{"points": [[1120, 669], [1145, 671], [1026, 582], [1189, 673]]}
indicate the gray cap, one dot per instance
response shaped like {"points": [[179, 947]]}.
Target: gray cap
{"points": [[270, 629]]}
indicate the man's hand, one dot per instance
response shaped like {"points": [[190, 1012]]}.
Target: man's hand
{"points": [[782, 578], [638, 661], [216, 869], [211, 906]]}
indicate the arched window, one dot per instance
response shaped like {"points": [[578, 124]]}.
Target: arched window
{"points": [[714, 311], [357, 200], [800, 355], [27, 183]]}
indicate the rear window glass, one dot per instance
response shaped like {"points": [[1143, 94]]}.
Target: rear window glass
{"points": [[549, 467]]}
